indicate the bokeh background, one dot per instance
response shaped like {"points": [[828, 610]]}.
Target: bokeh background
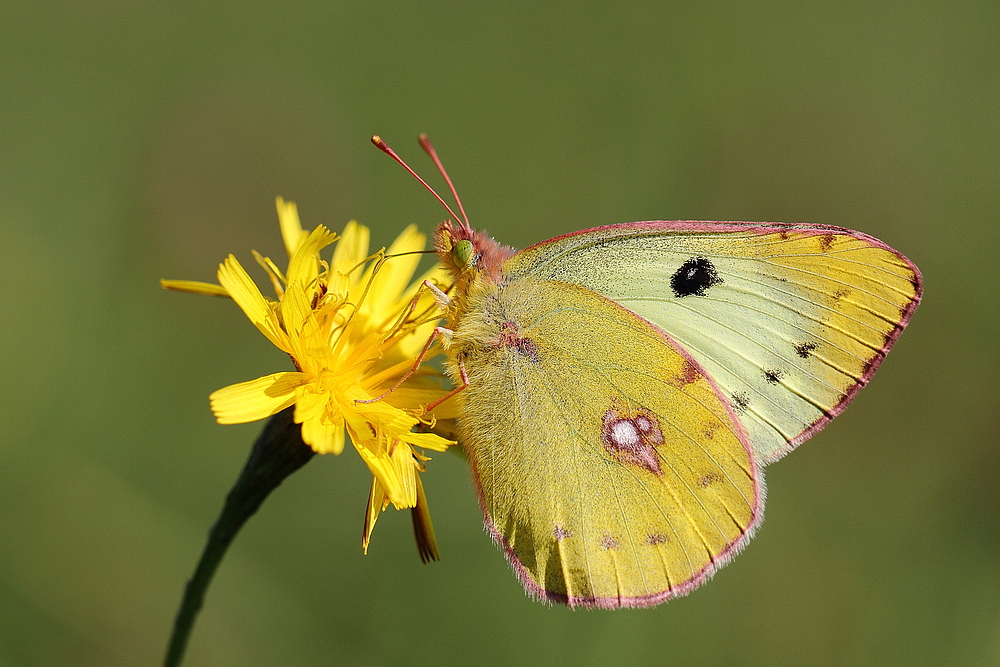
{"points": [[148, 140]]}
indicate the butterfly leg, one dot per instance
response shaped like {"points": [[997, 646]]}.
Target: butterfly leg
{"points": [[465, 383], [443, 300], [406, 315], [440, 298], [439, 332]]}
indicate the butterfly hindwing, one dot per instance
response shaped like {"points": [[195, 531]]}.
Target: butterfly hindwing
{"points": [[609, 466], [790, 321]]}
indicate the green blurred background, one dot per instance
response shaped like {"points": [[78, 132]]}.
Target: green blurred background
{"points": [[140, 141]]}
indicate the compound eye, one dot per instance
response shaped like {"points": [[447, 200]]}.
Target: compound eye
{"points": [[462, 253]]}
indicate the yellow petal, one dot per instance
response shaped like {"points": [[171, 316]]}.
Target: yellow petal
{"points": [[338, 284], [409, 345], [304, 264], [241, 287], [381, 379], [410, 239], [413, 398], [448, 409], [291, 229], [377, 502], [295, 310], [256, 399], [394, 274], [406, 468], [423, 529], [436, 275], [390, 295], [391, 420], [427, 441], [348, 396], [194, 287], [352, 248], [360, 427], [323, 438], [273, 272], [448, 429], [422, 389], [310, 404], [381, 466]]}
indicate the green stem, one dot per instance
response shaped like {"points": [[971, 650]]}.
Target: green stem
{"points": [[278, 452]]}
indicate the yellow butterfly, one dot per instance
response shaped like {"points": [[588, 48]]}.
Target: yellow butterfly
{"points": [[620, 388]]}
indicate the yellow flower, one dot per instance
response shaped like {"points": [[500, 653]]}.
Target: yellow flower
{"points": [[354, 327]]}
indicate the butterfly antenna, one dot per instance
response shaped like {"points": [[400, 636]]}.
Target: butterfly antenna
{"points": [[425, 143], [384, 147]]}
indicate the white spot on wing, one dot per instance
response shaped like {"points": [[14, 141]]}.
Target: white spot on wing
{"points": [[624, 434]]}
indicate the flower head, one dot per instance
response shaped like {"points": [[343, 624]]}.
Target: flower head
{"points": [[355, 328]]}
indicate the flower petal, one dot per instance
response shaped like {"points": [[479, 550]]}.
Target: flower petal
{"points": [[323, 438], [291, 229], [256, 399], [304, 265], [352, 248], [393, 276], [406, 468], [273, 272], [410, 239], [391, 420], [423, 529], [310, 403], [361, 415], [413, 398], [380, 463], [241, 287], [194, 287], [377, 502], [295, 310], [428, 302], [427, 441]]}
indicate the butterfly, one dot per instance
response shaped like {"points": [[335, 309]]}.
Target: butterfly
{"points": [[621, 388]]}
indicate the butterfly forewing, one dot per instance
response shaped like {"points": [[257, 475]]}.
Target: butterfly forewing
{"points": [[609, 465], [788, 320]]}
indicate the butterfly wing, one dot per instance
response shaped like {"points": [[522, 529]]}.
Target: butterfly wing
{"points": [[609, 466], [790, 321]]}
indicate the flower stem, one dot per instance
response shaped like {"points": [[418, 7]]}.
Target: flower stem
{"points": [[277, 453]]}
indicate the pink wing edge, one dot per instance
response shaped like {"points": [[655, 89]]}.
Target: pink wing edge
{"points": [[537, 592], [804, 228]]}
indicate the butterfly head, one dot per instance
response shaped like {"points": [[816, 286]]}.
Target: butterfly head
{"points": [[468, 253]]}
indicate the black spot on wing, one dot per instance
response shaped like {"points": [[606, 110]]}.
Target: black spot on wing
{"points": [[805, 350], [773, 375], [740, 402], [694, 278]]}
